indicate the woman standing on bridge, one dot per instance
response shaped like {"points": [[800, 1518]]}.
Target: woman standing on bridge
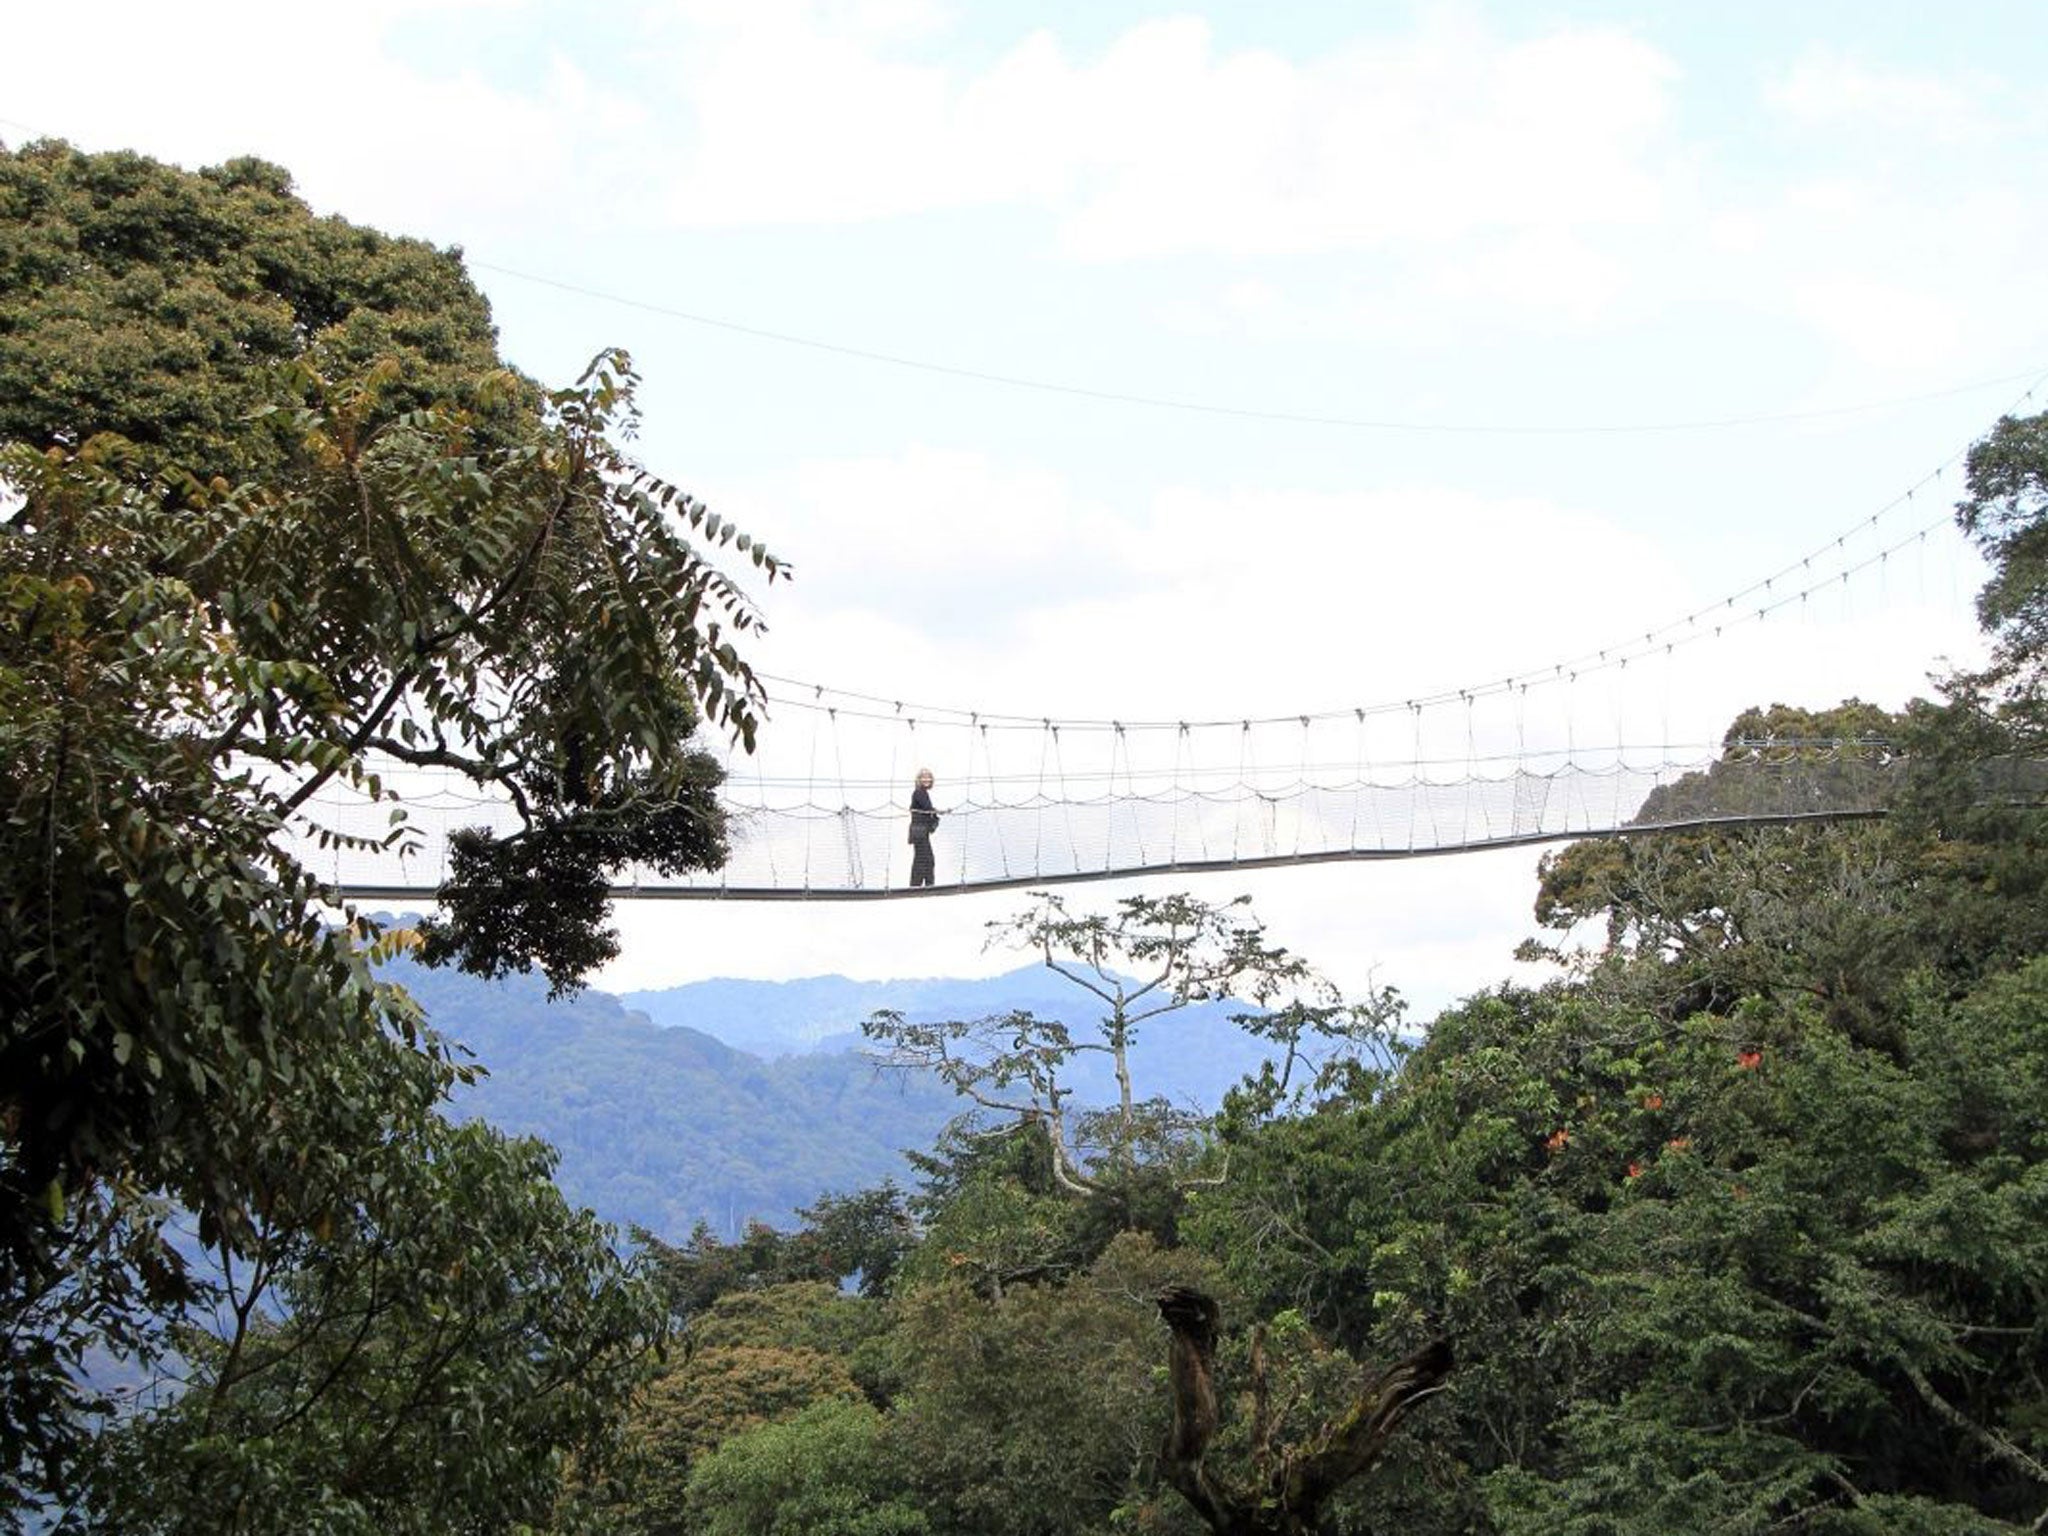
{"points": [[924, 821]]}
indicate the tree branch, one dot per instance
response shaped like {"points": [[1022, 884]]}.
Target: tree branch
{"points": [[1294, 1486]]}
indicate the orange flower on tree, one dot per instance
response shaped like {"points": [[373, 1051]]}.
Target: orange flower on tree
{"points": [[1559, 1140], [1678, 1143], [1653, 1101], [1749, 1061]]}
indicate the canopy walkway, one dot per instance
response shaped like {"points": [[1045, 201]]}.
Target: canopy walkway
{"points": [[1053, 802]]}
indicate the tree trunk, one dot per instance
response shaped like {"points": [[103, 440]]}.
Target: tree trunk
{"points": [[1289, 1485]]}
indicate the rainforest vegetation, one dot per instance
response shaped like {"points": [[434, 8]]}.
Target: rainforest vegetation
{"points": [[1740, 1224]]}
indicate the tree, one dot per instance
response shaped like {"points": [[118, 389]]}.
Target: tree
{"points": [[993, 1217], [414, 1335], [864, 1235], [1289, 1485], [159, 305], [1723, 912], [752, 1358], [187, 665], [1017, 1067], [2006, 514], [825, 1472], [1952, 879], [1038, 1413], [1731, 1270]]}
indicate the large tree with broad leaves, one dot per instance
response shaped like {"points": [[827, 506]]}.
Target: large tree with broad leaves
{"points": [[275, 516]]}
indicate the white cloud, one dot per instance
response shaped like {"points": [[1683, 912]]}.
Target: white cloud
{"points": [[1885, 327], [443, 153], [1831, 90], [941, 541], [1474, 180], [998, 584], [1165, 145], [1426, 140]]}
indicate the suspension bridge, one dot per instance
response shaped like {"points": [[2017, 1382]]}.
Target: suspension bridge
{"points": [[1115, 805], [819, 810]]}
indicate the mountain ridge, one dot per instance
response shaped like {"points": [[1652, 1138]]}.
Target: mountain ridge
{"points": [[759, 1106]]}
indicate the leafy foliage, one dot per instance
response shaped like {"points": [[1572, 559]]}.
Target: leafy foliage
{"points": [[421, 1353], [1641, 1234], [1040, 1412], [2006, 512], [159, 306], [204, 629], [1842, 915], [843, 1237], [751, 1359], [825, 1472]]}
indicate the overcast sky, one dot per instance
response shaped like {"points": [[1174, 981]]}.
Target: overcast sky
{"points": [[1647, 301]]}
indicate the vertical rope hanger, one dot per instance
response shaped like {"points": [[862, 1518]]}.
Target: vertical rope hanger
{"points": [[1038, 834], [1180, 737], [970, 803], [1620, 739], [1263, 807], [963, 803], [1059, 763], [1414, 772], [1471, 770], [1525, 780], [895, 781], [1237, 817], [1131, 799], [849, 827], [1573, 789], [1301, 788], [1426, 786], [996, 817], [1360, 773], [811, 792]]}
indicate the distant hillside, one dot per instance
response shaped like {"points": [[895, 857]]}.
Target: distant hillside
{"points": [[1191, 1058], [726, 1101], [776, 1018], [666, 1127]]}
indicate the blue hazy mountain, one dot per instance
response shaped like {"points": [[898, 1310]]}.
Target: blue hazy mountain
{"points": [[663, 1119], [1191, 1057], [667, 1127]]}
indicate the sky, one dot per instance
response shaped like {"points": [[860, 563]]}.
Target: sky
{"points": [[1391, 346]]}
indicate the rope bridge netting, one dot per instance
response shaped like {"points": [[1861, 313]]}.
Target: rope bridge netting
{"points": [[1060, 801]]}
